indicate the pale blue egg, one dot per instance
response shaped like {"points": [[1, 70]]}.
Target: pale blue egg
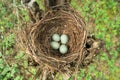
{"points": [[64, 38], [56, 37], [54, 45], [63, 49]]}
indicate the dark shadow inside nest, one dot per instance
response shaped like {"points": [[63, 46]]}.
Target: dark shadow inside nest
{"points": [[92, 48]]}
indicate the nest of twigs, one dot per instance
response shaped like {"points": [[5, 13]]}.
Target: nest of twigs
{"points": [[36, 40]]}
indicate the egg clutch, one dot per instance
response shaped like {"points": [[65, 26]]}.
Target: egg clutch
{"points": [[59, 42]]}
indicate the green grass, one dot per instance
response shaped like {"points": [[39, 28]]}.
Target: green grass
{"points": [[102, 17]]}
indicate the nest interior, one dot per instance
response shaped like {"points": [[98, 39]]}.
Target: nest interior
{"points": [[60, 22]]}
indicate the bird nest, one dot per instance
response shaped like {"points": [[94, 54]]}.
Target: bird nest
{"points": [[37, 38]]}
